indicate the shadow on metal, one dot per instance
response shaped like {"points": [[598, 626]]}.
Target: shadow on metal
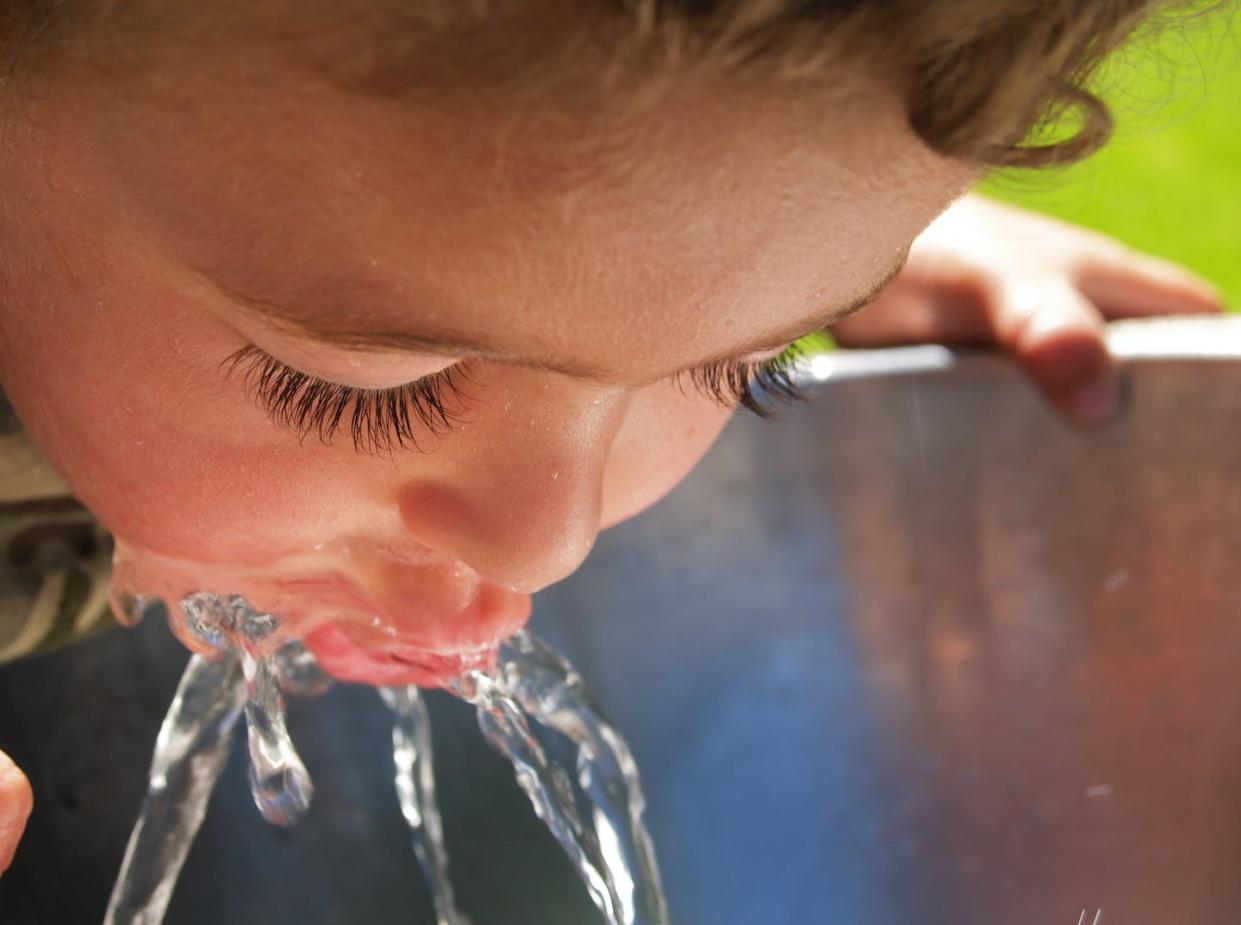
{"points": [[918, 654]]}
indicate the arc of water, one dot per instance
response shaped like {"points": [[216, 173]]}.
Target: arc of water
{"points": [[596, 812], [610, 846], [281, 786], [279, 780], [193, 746], [190, 752], [415, 788]]}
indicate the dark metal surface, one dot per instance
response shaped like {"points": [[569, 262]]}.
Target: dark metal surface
{"points": [[917, 654]]}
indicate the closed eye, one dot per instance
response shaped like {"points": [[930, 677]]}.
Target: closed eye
{"points": [[733, 382], [378, 420], [384, 420]]}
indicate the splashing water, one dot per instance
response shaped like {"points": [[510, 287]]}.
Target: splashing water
{"points": [[531, 706], [599, 822], [278, 779], [194, 742], [415, 787]]}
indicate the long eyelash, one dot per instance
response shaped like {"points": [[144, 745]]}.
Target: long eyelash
{"points": [[731, 382], [379, 420]]}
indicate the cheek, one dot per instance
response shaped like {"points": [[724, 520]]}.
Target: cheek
{"points": [[129, 403], [665, 434]]}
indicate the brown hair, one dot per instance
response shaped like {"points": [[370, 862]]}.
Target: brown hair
{"points": [[984, 80]]}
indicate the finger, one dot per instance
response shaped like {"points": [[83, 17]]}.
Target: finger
{"points": [[16, 801], [1126, 284], [1058, 336], [911, 312]]}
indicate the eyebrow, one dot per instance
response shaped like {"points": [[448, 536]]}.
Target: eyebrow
{"points": [[450, 344]]}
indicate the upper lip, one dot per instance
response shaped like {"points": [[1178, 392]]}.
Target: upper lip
{"points": [[390, 624]]}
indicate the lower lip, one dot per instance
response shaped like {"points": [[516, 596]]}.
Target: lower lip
{"points": [[428, 649], [391, 665]]}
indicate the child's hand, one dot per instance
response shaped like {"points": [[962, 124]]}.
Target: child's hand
{"points": [[1041, 289], [15, 801]]}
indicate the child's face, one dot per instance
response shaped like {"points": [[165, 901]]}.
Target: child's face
{"points": [[157, 222]]}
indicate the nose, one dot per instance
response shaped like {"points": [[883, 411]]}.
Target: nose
{"points": [[518, 491]]}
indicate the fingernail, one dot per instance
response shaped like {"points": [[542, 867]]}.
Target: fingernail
{"points": [[1095, 403]]}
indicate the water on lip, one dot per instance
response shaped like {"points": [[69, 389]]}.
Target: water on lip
{"points": [[592, 803], [366, 584]]}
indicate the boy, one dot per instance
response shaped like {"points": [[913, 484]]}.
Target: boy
{"points": [[377, 314]]}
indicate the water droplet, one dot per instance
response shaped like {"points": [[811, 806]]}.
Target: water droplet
{"points": [[127, 607], [279, 782], [298, 672], [224, 621]]}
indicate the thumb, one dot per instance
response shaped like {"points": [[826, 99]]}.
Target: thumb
{"points": [[16, 801], [1057, 334]]}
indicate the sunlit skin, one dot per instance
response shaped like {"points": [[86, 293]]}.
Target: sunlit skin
{"points": [[250, 219], [570, 259]]}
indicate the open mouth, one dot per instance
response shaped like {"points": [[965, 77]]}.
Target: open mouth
{"points": [[391, 664], [367, 618]]}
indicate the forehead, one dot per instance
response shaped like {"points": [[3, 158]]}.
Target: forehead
{"points": [[548, 225]]}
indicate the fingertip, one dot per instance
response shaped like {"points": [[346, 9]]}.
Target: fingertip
{"points": [[1211, 295], [16, 802], [1177, 275], [1191, 294], [1094, 403], [1073, 369], [1141, 285]]}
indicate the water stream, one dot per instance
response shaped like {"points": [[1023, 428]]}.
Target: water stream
{"points": [[190, 751], [592, 802], [532, 707], [415, 788]]}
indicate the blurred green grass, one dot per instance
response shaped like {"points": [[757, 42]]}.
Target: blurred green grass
{"points": [[1169, 182]]}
